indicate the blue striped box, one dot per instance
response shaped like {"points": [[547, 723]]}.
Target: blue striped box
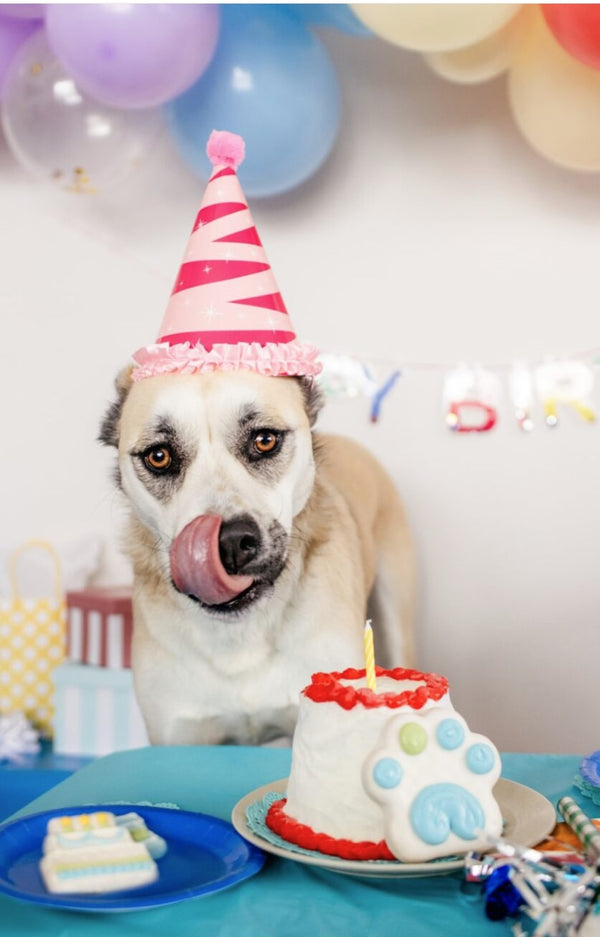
{"points": [[96, 711]]}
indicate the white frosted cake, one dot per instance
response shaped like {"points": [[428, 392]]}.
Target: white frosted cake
{"points": [[391, 773]]}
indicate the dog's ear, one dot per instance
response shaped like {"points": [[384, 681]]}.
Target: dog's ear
{"points": [[313, 397], [109, 428]]}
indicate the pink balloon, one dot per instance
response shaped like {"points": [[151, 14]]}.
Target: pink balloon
{"points": [[133, 55]]}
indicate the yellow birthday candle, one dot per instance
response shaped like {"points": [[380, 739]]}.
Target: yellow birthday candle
{"points": [[370, 657]]}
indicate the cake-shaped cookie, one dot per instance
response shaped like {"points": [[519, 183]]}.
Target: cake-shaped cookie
{"points": [[388, 773], [93, 853]]}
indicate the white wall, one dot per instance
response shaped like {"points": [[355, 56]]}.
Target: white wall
{"points": [[432, 235]]}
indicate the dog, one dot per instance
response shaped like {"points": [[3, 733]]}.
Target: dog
{"points": [[258, 547]]}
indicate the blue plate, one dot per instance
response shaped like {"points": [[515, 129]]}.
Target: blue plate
{"points": [[204, 855]]}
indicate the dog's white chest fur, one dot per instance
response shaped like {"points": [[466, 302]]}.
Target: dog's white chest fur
{"points": [[242, 688]]}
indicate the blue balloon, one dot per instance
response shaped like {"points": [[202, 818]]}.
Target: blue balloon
{"points": [[337, 15], [271, 81]]}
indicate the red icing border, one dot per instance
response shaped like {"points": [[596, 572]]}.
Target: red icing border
{"points": [[327, 688], [304, 836]]}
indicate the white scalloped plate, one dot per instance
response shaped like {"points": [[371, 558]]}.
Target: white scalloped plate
{"points": [[528, 818]]}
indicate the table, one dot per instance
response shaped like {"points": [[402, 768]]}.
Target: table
{"points": [[286, 899], [33, 775]]}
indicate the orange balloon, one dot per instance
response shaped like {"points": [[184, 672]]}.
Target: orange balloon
{"points": [[554, 99]]}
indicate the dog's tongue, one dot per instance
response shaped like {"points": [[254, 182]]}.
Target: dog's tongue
{"points": [[196, 565]]}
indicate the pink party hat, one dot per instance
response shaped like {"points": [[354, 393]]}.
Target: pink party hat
{"points": [[225, 311]]}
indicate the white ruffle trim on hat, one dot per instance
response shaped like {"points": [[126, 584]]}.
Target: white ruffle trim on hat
{"points": [[273, 360]]}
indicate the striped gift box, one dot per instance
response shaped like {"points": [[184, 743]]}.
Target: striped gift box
{"points": [[99, 626], [95, 711]]}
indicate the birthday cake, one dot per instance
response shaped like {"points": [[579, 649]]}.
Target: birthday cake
{"points": [[391, 773]]}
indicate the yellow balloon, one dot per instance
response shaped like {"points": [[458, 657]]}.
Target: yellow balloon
{"points": [[484, 60], [434, 27], [555, 100]]}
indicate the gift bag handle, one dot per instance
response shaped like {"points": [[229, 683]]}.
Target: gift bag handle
{"points": [[31, 545]]}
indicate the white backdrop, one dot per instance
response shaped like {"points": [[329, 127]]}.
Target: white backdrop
{"points": [[432, 235]]}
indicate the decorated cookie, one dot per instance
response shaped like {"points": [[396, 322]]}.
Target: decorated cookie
{"points": [[433, 779], [140, 833], [81, 821], [90, 853]]}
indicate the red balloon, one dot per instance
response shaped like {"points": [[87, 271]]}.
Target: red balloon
{"points": [[576, 26]]}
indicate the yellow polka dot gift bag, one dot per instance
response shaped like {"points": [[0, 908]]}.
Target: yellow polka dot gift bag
{"points": [[32, 644]]}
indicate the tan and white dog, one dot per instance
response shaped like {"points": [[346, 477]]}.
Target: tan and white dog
{"points": [[258, 548]]}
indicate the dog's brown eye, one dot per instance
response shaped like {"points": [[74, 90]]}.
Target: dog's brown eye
{"points": [[158, 459], [266, 442]]}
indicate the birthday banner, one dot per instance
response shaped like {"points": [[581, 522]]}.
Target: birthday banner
{"points": [[472, 394]]}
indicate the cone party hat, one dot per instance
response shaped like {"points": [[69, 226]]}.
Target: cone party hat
{"points": [[225, 311]]}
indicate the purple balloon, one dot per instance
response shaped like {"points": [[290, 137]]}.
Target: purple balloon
{"points": [[23, 11], [13, 33], [133, 55]]}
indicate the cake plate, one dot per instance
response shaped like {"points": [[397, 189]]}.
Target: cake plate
{"points": [[528, 818]]}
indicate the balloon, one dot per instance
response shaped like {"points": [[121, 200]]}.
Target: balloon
{"points": [[133, 55], [480, 62], [13, 33], [337, 15], [554, 99], [23, 11], [577, 27], [59, 134], [273, 83], [434, 27]]}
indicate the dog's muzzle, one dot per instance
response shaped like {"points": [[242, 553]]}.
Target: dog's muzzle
{"points": [[208, 557]]}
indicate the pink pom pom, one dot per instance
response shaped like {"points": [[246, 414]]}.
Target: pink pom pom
{"points": [[225, 149]]}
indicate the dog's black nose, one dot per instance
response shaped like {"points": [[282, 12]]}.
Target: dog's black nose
{"points": [[239, 543]]}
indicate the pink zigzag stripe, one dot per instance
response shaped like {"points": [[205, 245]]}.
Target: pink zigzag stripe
{"points": [[268, 301], [247, 236], [210, 213], [226, 171], [209, 337], [200, 272]]}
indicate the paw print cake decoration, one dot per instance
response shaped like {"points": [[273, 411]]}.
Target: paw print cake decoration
{"points": [[433, 779]]}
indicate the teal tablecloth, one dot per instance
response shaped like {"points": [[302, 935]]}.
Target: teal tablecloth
{"points": [[286, 899]]}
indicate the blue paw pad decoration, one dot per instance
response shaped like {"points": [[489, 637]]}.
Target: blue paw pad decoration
{"points": [[434, 780]]}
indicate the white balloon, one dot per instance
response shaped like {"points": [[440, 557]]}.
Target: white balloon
{"points": [[482, 61], [60, 134], [433, 27]]}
